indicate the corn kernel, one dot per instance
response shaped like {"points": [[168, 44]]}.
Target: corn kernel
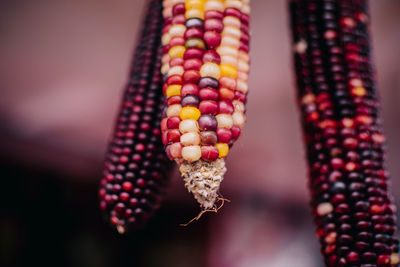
{"points": [[228, 51], [394, 259], [242, 86], [165, 38], [210, 69], [174, 110], [233, 4], [231, 31], [224, 121], [359, 91], [230, 41], [174, 89], [177, 30], [228, 70], [190, 139], [194, 4], [214, 5], [194, 13], [229, 60], [231, 21], [189, 113], [238, 119], [176, 51], [191, 153], [165, 68], [176, 70], [188, 126], [223, 149], [194, 42]]}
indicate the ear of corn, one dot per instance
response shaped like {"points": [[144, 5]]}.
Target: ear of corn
{"points": [[135, 166], [205, 66], [352, 208]]}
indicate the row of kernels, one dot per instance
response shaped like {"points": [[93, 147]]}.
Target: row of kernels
{"points": [[193, 84], [173, 47], [223, 118], [230, 42], [183, 108]]}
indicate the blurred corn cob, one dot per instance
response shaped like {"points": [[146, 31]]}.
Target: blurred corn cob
{"points": [[136, 165], [205, 65], [352, 208]]}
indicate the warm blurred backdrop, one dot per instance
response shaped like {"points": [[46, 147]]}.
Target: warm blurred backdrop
{"points": [[63, 67]]}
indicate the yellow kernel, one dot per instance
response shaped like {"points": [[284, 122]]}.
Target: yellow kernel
{"points": [[176, 51], [210, 69], [359, 91], [228, 70], [330, 238], [195, 42], [223, 149], [194, 4], [394, 259], [189, 113], [174, 89], [194, 13]]}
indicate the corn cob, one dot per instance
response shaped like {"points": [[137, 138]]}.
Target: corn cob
{"points": [[352, 208], [135, 166], [205, 65]]}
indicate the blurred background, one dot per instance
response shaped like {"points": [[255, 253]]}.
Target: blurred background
{"points": [[63, 67]]}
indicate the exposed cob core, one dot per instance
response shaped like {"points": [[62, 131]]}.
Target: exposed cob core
{"points": [[205, 66], [136, 166], [352, 208]]}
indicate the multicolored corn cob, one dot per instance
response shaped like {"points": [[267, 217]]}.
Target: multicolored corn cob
{"points": [[205, 65], [352, 208], [136, 165]]}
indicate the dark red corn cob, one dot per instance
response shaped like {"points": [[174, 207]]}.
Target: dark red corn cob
{"points": [[352, 208], [135, 166]]}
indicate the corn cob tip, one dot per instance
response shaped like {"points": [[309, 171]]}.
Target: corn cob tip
{"points": [[202, 179]]}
